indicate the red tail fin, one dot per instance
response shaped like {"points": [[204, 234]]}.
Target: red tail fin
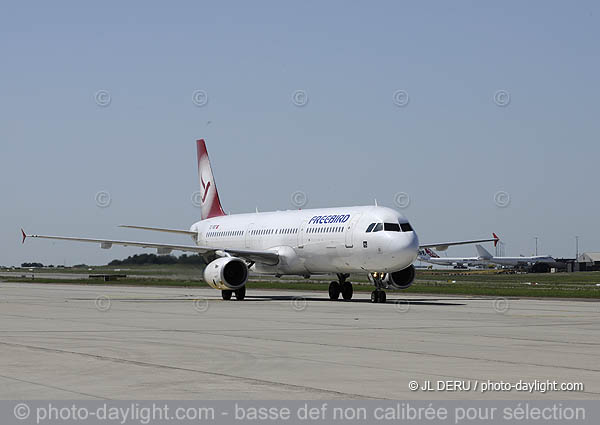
{"points": [[210, 203], [496, 239]]}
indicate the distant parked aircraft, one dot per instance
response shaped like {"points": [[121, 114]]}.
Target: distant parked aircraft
{"points": [[484, 257]]}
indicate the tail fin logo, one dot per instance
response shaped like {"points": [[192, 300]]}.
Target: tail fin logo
{"points": [[211, 205], [205, 188]]}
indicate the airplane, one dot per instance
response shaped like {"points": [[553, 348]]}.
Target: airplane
{"points": [[485, 257], [374, 240], [514, 261], [429, 256]]}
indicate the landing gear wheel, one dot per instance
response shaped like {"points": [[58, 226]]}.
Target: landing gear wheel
{"points": [[240, 294], [226, 294], [347, 291], [382, 297], [378, 296], [334, 291]]}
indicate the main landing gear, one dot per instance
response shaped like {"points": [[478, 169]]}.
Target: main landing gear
{"points": [[240, 293], [341, 287]]}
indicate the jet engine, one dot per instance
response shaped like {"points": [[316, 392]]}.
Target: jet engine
{"points": [[226, 273], [401, 279]]}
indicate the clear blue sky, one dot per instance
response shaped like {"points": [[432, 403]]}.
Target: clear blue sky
{"points": [[451, 148]]}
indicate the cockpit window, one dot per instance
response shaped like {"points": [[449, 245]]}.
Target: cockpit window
{"points": [[406, 227], [378, 227], [391, 227], [370, 227]]}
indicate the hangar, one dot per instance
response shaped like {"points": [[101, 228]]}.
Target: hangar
{"points": [[589, 261]]}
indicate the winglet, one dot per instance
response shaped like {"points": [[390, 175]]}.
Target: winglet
{"points": [[24, 235], [496, 239]]}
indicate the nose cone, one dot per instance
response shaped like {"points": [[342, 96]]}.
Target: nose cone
{"points": [[405, 248]]}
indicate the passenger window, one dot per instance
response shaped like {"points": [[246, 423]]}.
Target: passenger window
{"points": [[370, 227], [378, 227]]}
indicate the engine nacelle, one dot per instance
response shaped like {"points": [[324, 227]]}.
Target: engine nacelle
{"points": [[401, 279], [226, 273]]}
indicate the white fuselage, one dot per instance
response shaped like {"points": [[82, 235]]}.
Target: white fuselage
{"points": [[453, 261], [518, 261], [313, 241], [479, 261]]}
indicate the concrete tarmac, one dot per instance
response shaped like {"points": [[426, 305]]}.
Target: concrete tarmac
{"points": [[84, 342]]}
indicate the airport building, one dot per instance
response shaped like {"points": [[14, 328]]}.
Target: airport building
{"points": [[589, 261]]}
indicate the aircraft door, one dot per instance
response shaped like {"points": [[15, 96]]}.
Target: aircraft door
{"points": [[249, 236], [302, 234], [349, 231]]}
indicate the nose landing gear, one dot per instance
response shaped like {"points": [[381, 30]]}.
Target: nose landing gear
{"points": [[341, 287], [378, 295]]}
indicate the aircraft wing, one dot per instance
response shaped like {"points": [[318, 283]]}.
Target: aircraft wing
{"points": [[265, 257], [160, 229], [442, 246]]}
